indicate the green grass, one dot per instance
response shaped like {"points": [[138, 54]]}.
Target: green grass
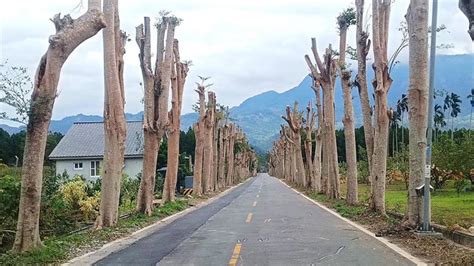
{"points": [[60, 248], [448, 208]]}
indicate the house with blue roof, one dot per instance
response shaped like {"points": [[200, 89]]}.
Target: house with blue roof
{"points": [[81, 150]]}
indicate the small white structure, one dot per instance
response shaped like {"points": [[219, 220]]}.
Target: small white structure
{"points": [[81, 150]]}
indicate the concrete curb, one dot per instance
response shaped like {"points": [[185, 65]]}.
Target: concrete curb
{"points": [[461, 238], [383, 240], [119, 244]]}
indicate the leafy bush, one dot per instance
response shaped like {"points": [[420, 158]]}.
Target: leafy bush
{"points": [[9, 199], [89, 206], [462, 185], [398, 167], [455, 156], [128, 191], [73, 191], [74, 194]]}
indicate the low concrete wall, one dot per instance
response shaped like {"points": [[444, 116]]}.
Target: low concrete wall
{"points": [[462, 238], [459, 237]]}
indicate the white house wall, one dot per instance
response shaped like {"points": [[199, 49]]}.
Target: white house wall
{"points": [[133, 166]]}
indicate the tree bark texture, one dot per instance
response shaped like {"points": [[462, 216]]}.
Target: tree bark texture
{"points": [[114, 116], [363, 46], [326, 78], [156, 87], [294, 122], [318, 142], [199, 131], [222, 156], [69, 34], [348, 120], [179, 72], [208, 144], [417, 22], [308, 144], [381, 84]]}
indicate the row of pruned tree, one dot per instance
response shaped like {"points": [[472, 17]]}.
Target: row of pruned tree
{"points": [[169, 75], [320, 171], [223, 156]]}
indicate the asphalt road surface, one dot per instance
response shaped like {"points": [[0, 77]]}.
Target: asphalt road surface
{"points": [[261, 222]]}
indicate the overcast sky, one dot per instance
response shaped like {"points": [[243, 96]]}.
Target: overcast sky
{"points": [[246, 46]]}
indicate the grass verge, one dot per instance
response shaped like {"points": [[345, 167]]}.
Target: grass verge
{"points": [[62, 248], [432, 250], [448, 207]]}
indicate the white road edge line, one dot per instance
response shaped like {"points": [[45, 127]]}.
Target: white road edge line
{"points": [[122, 243], [385, 241]]}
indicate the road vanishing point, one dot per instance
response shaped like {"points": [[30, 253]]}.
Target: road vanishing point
{"points": [[260, 222]]}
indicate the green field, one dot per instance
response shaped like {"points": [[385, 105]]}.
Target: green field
{"points": [[448, 208]]}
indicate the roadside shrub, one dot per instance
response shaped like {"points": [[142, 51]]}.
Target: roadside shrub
{"points": [[455, 156], [9, 199], [128, 191], [86, 208], [89, 207], [74, 191], [362, 165], [462, 185], [343, 171], [93, 186], [363, 172], [159, 182], [398, 167]]}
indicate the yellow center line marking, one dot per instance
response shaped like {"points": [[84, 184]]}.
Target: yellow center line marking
{"points": [[235, 256], [249, 218], [254, 203]]}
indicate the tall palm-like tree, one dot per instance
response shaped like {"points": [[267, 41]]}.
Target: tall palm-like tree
{"points": [[471, 97], [394, 122], [438, 119], [452, 102], [402, 107]]}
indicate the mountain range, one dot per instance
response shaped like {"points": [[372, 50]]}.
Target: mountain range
{"points": [[260, 116]]}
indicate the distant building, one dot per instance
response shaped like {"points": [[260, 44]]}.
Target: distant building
{"points": [[81, 150]]}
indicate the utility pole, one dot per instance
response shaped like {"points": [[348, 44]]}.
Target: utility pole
{"points": [[426, 195]]}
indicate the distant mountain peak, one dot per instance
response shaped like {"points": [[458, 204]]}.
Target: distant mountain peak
{"points": [[260, 116]]}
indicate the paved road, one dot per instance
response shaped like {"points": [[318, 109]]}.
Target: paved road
{"points": [[262, 222]]}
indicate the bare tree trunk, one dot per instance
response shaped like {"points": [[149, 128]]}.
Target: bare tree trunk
{"points": [[69, 34], [230, 157], [381, 83], [114, 116], [199, 131], [417, 21], [318, 142], [333, 167], [198, 163], [348, 120], [363, 46], [178, 78], [310, 116], [150, 152], [326, 77], [156, 87], [349, 133], [294, 122], [215, 142], [208, 145], [222, 156], [162, 85]]}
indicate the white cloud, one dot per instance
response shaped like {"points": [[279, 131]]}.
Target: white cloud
{"points": [[246, 46]]}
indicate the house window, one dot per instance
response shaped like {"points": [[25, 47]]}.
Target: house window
{"points": [[95, 168], [78, 166]]}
